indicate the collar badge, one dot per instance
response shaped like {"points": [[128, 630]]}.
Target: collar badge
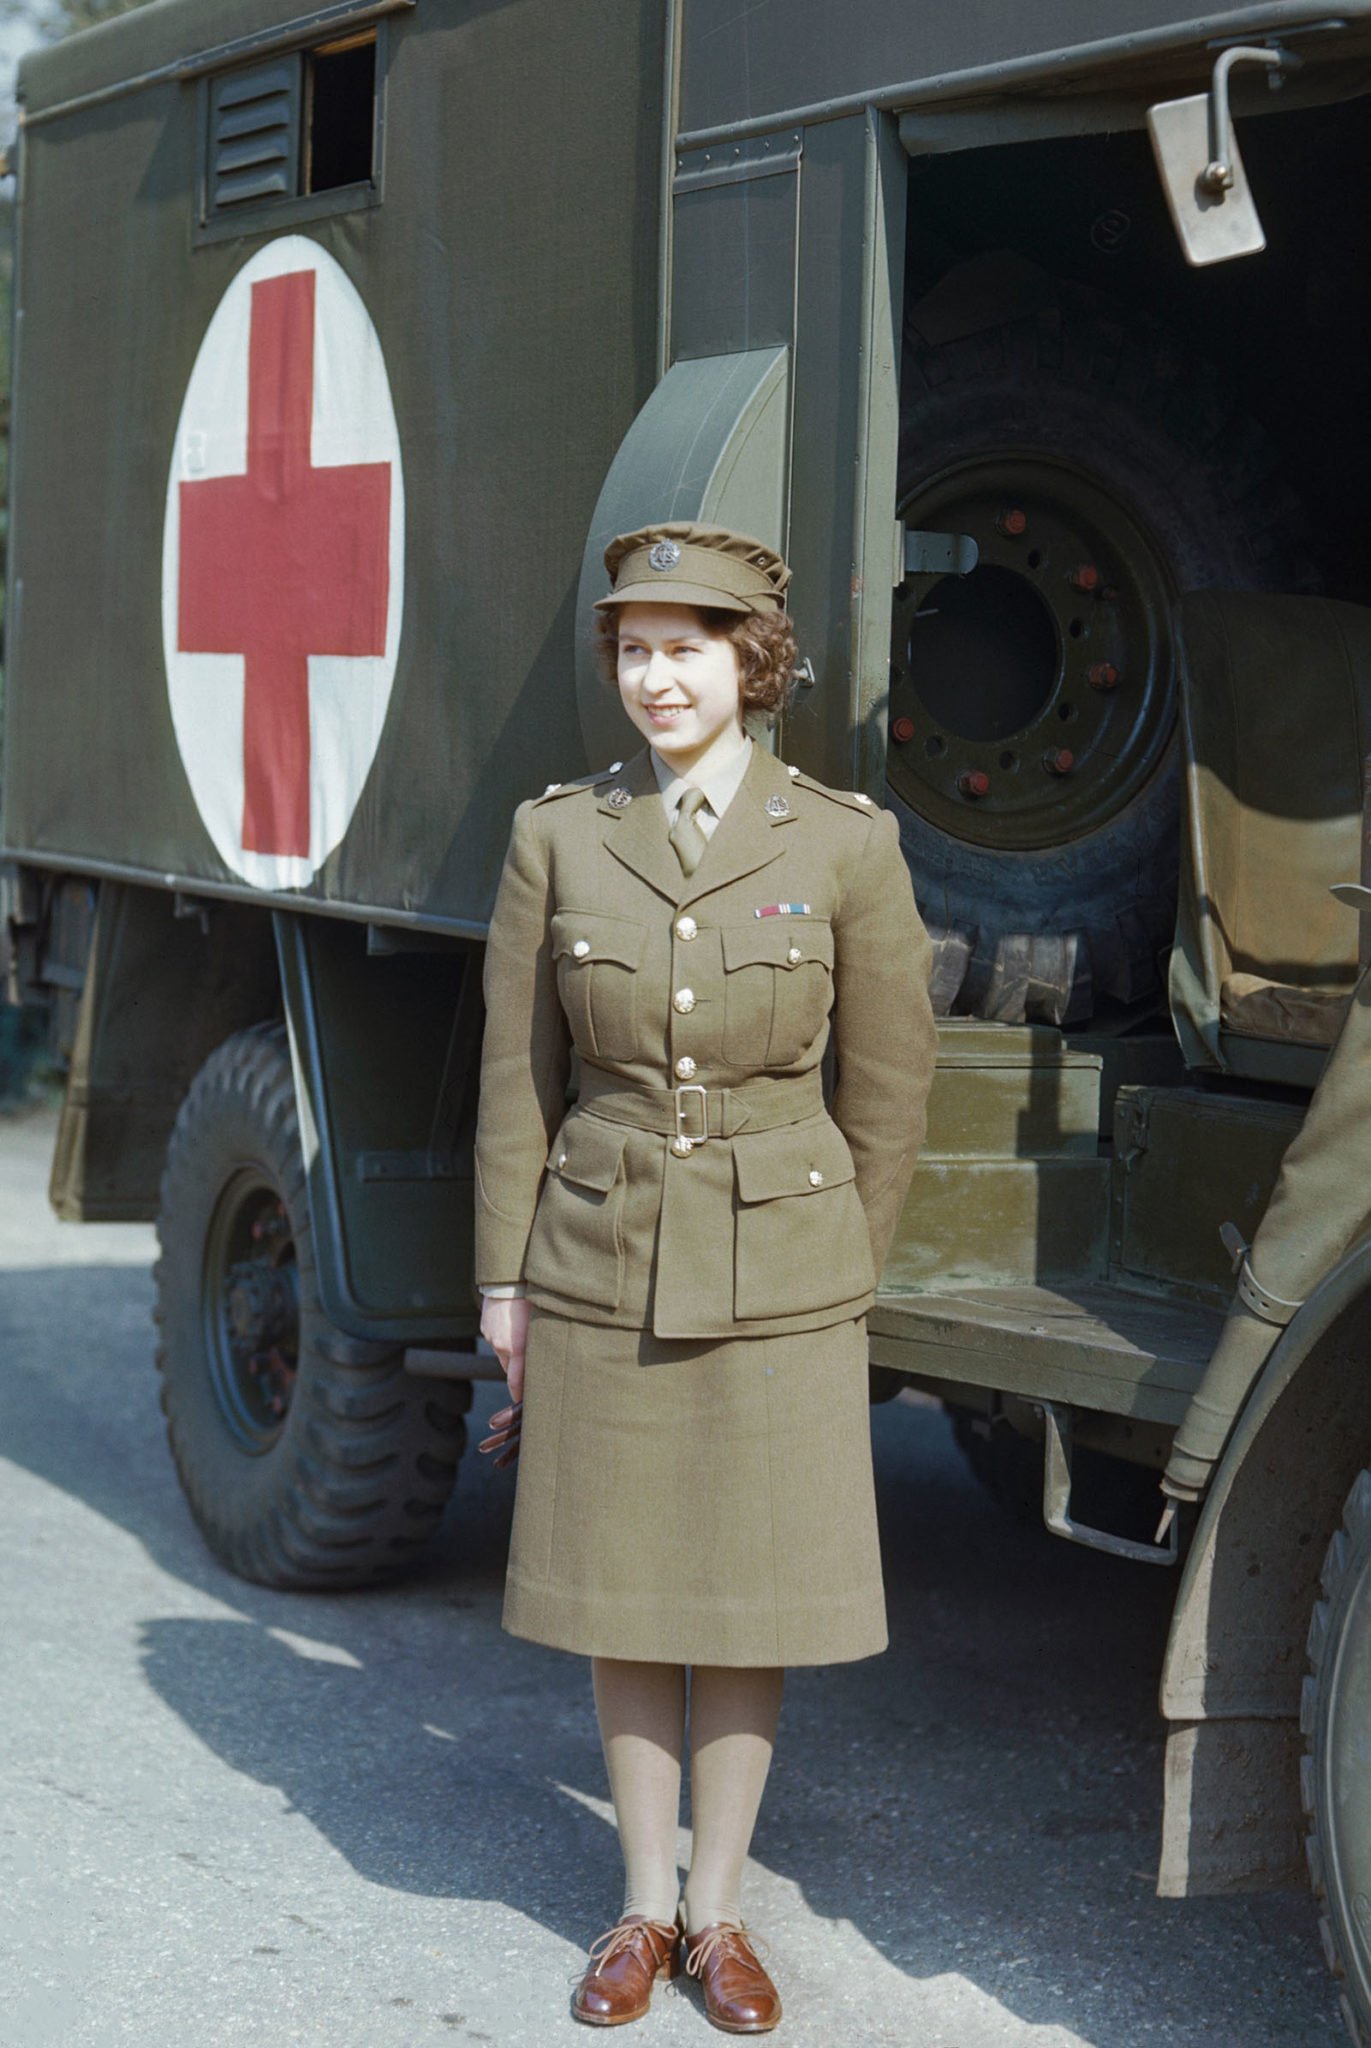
{"points": [[665, 555], [778, 807], [619, 799]]}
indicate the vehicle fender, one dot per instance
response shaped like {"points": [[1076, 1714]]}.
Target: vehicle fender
{"points": [[1235, 1656], [385, 1033]]}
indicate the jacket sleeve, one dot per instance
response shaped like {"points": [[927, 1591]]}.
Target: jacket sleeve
{"points": [[885, 1040], [525, 1058]]}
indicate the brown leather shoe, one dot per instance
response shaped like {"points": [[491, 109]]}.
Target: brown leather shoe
{"points": [[739, 1996], [625, 1963]]}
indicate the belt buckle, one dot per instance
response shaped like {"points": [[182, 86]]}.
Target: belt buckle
{"points": [[686, 1141]]}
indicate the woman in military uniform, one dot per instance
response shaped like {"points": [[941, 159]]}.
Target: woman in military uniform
{"points": [[677, 1269]]}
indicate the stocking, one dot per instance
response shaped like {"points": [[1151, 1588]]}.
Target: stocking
{"points": [[733, 1714], [642, 1727]]}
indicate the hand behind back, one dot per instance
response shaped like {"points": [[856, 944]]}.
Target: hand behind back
{"points": [[504, 1325]]}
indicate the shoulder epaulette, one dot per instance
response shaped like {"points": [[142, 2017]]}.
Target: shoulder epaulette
{"points": [[578, 782], [849, 799]]}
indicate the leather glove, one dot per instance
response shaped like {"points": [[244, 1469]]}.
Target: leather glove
{"points": [[505, 1425]]}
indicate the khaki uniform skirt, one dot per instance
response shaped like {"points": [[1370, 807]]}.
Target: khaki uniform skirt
{"points": [[696, 1502]]}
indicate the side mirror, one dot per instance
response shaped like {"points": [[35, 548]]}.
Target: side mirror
{"points": [[1201, 167]]}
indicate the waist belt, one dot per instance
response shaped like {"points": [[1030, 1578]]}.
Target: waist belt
{"points": [[692, 1112]]}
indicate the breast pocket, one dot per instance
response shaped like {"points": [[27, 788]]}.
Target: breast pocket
{"points": [[598, 958], [576, 1248], [800, 1236], [778, 989]]}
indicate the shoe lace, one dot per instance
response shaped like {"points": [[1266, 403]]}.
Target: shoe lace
{"points": [[721, 1939], [623, 1935]]}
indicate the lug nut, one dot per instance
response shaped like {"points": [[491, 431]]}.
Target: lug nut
{"points": [[902, 729], [1013, 520], [1102, 675], [975, 782], [1086, 577], [1059, 760]]}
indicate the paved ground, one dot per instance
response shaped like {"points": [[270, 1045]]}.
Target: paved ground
{"points": [[229, 1816]]}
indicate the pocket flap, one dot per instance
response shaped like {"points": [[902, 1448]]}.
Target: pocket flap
{"points": [[589, 935], [787, 1161], [772, 940], [587, 1151]]}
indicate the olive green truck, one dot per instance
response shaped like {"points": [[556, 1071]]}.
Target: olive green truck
{"points": [[1037, 338]]}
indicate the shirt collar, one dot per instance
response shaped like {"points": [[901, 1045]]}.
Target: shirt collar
{"points": [[720, 786]]}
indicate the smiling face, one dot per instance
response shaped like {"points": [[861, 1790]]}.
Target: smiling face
{"points": [[678, 681]]}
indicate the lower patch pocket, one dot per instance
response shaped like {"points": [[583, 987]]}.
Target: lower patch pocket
{"points": [[576, 1249], [800, 1236]]}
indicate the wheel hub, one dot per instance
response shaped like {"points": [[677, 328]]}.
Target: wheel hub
{"points": [[251, 1309], [1032, 698]]}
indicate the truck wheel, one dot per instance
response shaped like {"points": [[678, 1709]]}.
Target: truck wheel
{"points": [[1335, 1714], [1032, 757], [308, 1458]]}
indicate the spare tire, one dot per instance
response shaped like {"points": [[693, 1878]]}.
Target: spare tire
{"points": [[1033, 759]]}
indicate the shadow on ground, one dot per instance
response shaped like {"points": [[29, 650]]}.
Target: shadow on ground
{"points": [[983, 1800]]}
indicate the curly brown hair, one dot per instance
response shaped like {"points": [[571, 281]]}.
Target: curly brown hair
{"points": [[768, 655]]}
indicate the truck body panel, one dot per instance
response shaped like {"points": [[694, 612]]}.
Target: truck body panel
{"points": [[499, 324]]}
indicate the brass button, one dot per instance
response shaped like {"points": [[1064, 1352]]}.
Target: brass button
{"points": [[581, 948], [685, 1067], [794, 955], [792, 769], [686, 928], [683, 1000], [561, 1160], [682, 1146], [862, 797], [816, 1179]]}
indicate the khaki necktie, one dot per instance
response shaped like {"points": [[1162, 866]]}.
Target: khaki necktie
{"points": [[686, 834]]}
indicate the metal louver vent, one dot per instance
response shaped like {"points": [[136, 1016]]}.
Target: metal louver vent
{"points": [[254, 134]]}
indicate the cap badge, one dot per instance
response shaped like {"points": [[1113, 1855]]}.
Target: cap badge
{"points": [[619, 799], [778, 807], [665, 555]]}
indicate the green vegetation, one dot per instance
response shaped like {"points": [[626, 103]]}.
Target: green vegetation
{"points": [[53, 19]]}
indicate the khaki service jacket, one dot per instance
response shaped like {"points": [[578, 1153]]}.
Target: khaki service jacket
{"points": [[700, 1005]]}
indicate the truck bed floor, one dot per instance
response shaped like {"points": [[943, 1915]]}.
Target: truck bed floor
{"points": [[1090, 1343]]}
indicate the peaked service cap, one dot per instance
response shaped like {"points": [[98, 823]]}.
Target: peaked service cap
{"points": [[681, 563]]}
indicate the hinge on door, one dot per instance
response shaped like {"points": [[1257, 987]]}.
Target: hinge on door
{"points": [[731, 163], [935, 554], [1132, 1115]]}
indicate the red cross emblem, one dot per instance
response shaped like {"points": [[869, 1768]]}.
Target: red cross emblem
{"points": [[284, 561]]}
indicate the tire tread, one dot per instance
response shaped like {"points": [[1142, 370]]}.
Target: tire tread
{"points": [[368, 1455], [1339, 1562]]}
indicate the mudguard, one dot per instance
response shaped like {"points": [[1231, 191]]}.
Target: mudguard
{"points": [[1236, 1654]]}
